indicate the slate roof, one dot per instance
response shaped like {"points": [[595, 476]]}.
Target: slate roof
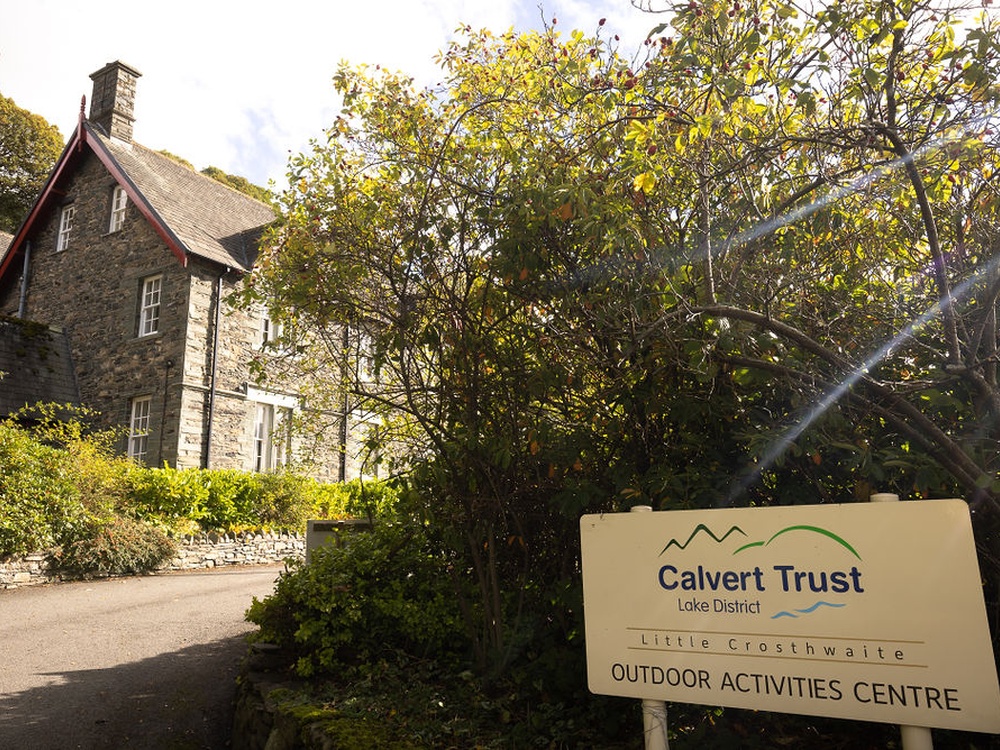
{"points": [[211, 220], [194, 214], [36, 364]]}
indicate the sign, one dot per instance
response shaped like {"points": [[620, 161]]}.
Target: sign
{"points": [[870, 611]]}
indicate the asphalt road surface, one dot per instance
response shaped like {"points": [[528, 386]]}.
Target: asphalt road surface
{"points": [[144, 663]]}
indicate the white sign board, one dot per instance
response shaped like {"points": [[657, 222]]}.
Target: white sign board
{"points": [[870, 611]]}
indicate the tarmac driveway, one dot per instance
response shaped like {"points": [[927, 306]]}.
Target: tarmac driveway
{"points": [[144, 663]]}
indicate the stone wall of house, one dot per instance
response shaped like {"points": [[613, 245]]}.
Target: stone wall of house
{"points": [[91, 290], [198, 413], [233, 413], [194, 552]]}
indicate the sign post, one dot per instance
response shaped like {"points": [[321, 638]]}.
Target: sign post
{"points": [[913, 738], [654, 712], [869, 611]]}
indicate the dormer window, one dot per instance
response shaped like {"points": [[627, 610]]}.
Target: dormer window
{"points": [[65, 227], [119, 200]]}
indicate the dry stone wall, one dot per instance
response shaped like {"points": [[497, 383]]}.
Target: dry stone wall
{"points": [[217, 550], [193, 552]]}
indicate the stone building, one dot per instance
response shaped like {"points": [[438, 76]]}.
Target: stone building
{"points": [[131, 256]]}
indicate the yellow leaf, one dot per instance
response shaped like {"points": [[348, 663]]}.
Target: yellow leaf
{"points": [[645, 182], [637, 131]]}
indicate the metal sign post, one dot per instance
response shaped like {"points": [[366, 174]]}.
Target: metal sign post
{"points": [[654, 712], [914, 738]]}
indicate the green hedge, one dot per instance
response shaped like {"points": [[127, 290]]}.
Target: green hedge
{"points": [[64, 489], [231, 500], [40, 505]]}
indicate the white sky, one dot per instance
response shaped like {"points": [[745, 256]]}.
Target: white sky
{"points": [[239, 84]]}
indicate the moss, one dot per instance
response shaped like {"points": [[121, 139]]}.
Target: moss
{"points": [[338, 729], [29, 329], [358, 733]]}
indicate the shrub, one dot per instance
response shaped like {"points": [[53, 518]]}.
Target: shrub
{"points": [[117, 546], [364, 499], [167, 495], [39, 503], [386, 590], [287, 500], [233, 497]]}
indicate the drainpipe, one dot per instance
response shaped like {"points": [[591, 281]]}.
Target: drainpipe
{"points": [[22, 302], [345, 406], [163, 410], [206, 459]]}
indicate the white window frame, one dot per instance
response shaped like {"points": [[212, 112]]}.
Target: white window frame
{"points": [[66, 216], [150, 295], [138, 428], [268, 330], [119, 201], [272, 436]]}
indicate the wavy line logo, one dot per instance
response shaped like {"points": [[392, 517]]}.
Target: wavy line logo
{"points": [[807, 611]]}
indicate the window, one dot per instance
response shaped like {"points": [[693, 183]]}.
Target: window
{"points": [[269, 331], [270, 437], [119, 199], [149, 305], [138, 429], [65, 227]]}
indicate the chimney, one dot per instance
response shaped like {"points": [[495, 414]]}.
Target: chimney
{"points": [[113, 101]]}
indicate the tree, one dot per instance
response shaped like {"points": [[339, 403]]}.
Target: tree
{"points": [[844, 210], [752, 264], [29, 147], [236, 182], [879, 207]]}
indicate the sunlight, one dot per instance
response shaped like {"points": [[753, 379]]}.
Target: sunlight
{"points": [[750, 476]]}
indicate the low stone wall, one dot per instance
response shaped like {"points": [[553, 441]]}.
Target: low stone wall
{"points": [[216, 550], [24, 571], [201, 551], [265, 715]]}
